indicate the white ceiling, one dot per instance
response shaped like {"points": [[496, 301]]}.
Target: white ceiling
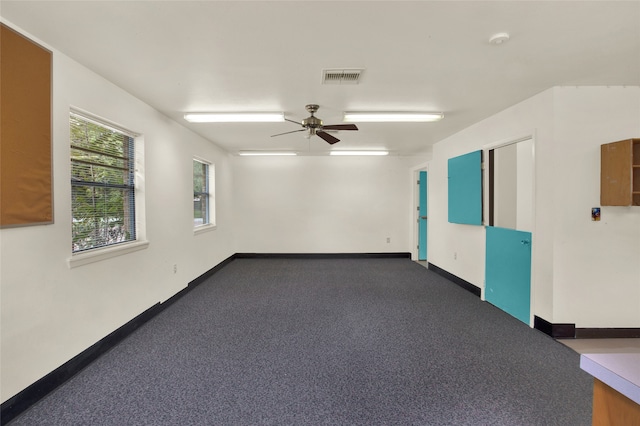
{"points": [[184, 56]]}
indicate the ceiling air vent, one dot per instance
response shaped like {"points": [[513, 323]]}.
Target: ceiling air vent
{"points": [[341, 76]]}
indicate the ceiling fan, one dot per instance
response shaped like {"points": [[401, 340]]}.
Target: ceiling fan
{"points": [[314, 126]]}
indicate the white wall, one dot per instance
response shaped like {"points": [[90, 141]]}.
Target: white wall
{"points": [[513, 186], [505, 193], [50, 312], [322, 204], [582, 272], [596, 264], [525, 186]]}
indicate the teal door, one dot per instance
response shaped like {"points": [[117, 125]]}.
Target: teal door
{"points": [[508, 271], [422, 219]]}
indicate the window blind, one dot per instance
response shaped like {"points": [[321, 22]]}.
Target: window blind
{"points": [[102, 183]]}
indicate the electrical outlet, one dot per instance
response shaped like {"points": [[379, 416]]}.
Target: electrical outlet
{"points": [[175, 268], [455, 255], [388, 240]]}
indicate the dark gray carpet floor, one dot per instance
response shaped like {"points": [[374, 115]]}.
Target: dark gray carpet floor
{"points": [[326, 342]]}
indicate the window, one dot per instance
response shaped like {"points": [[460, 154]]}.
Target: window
{"points": [[102, 184], [202, 194]]}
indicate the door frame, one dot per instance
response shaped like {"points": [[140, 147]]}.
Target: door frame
{"points": [[498, 144]]}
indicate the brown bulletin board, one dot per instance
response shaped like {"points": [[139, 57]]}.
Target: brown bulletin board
{"points": [[25, 131]]}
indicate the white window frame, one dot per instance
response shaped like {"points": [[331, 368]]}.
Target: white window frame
{"points": [[106, 252], [211, 225]]}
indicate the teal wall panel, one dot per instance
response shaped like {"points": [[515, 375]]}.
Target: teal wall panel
{"points": [[465, 189]]}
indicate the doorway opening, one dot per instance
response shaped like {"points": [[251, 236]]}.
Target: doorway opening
{"points": [[509, 228]]}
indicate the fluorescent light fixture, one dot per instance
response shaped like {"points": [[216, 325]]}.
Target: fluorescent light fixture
{"points": [[382, 117], [358, 152], [234, 117], [255, 153]]}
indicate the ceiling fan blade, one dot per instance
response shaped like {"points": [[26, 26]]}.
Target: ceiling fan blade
{"points": [[293, 121], [286, 133], [327, 137], [340, 127]]}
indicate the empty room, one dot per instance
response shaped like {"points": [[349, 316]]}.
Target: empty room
{"points": [[320, 212]]}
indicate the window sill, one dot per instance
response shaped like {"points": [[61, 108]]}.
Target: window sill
{"points": [[203, 228], [105, 253]]}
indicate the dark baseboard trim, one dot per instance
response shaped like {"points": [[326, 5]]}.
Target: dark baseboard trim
{"points": [[392, 255], [202, 278], [607, 333], [17, 404], [457, 280], [557, 331], [569, 331]]}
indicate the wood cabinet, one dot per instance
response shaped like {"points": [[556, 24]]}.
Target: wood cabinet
{"points": [[620, 173], [610, 407], [616, 387]]}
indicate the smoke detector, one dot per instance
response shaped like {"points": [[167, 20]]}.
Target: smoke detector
{"points": [[499, 38]]}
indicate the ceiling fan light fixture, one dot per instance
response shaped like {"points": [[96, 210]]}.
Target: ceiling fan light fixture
{"points": [[388, 117], [359, 153], [234, 117], [266, 153]]}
